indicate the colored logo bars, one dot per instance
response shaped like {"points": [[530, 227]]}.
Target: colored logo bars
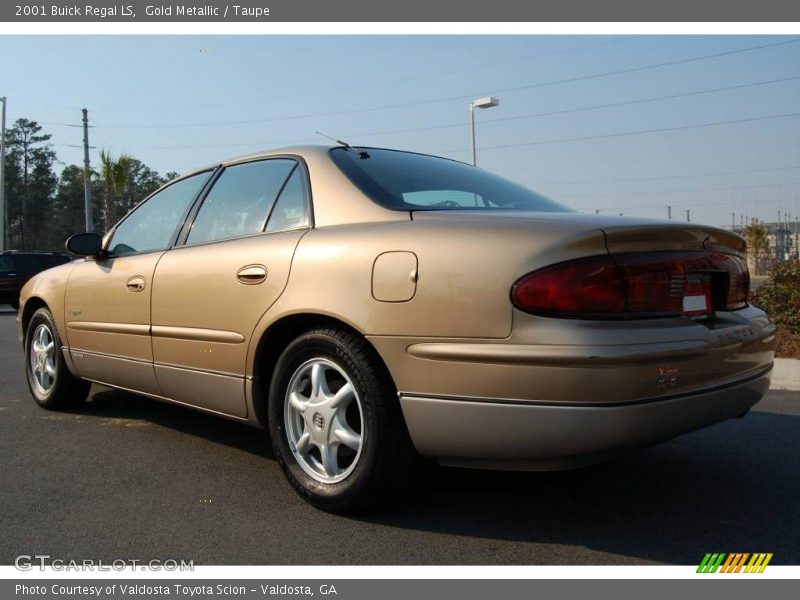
{"points": [[735, 562]]}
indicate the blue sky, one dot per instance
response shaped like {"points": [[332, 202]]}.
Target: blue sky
{"points": [[179, 102]]}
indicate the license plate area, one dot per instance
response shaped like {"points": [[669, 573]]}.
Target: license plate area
{"points": [[697, 298]]}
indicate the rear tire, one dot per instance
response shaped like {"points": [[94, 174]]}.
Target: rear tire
{"points": [[336, 426], [49, 380]]}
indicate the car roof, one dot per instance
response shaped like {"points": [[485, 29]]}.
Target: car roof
{"points": [[29, 252], [316, 150], [319, 149]]}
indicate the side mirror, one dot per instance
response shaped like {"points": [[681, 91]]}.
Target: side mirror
{"points": [[85, 244]]}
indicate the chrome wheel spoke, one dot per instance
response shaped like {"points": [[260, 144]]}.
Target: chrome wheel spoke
{"points": [[343, 433], [342, 397], [319, 385], [298, 402], [329, 460], [50, 369], [303, 443]]}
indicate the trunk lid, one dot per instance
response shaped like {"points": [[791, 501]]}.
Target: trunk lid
{"points": [[623, 234]]}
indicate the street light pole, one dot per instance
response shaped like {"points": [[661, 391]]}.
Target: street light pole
{"points": [[3, 220], [472, 131], [87, 171], [487, 102]]}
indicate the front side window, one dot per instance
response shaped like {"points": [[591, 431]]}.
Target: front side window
{"points": [[408, 181], [241, 200], [152, 224]]}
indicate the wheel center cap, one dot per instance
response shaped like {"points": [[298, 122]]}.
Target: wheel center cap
{"points": [[318, 420]]}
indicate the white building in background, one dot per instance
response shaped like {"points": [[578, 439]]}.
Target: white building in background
{"points": [[784, 239]]}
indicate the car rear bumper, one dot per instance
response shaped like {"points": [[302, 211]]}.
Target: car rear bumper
{"points": [[496, 433]]}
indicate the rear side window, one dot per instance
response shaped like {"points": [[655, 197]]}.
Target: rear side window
{"points": [[290, 210], [27, 265], [53, 261], [151, 225], [241, 200]]}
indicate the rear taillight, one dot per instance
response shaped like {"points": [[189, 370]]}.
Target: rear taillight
{"points": [[634, 285]]}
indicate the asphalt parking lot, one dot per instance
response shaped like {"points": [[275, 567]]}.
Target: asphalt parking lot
{"points": [[127, 477]]}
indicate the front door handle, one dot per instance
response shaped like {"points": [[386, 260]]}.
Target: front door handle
{"points": [[135, 284], [252, 274]]}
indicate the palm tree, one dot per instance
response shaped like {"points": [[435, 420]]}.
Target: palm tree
{"points": [[115, 177]]}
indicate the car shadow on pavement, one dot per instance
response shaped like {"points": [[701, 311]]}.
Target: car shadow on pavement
{"points": [[733, 487], [730, 488], [118, 404]]}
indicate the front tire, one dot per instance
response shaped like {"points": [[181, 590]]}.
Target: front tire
{"points": [[49, 380], [335, 423]]}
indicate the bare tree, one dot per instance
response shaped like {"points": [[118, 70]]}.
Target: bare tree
{"points": [[757, 244]]}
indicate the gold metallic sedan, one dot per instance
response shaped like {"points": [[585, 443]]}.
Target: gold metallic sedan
{"points": [[368, 306]]}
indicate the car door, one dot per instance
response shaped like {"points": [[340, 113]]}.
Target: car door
{"points": [[107, 302], [210, 292]]}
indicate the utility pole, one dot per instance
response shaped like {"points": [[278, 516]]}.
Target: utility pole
{"points": [[669, 213], [87, 184], [687, 216], [733, 221], [3, 219]]}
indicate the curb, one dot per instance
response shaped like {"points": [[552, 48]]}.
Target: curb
{"points": [[786, 374]]}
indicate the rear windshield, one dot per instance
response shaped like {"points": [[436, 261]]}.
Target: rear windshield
{"points": [[408, 181]]}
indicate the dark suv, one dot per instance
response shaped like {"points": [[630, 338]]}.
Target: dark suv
{"points": [[17, 267]]}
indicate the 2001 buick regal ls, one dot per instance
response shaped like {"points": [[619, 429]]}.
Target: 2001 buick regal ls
{"points": [[367, 306]]}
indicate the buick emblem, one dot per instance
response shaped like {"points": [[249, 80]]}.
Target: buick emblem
{"points": [[319, 421], [707, 241]]}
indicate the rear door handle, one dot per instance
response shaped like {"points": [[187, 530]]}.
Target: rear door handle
{"points": [[252, 274]]}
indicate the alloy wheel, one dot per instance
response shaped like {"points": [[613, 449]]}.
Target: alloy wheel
{"points": [[324, 420], [43, 359]]}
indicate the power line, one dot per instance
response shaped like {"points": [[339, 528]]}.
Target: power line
{"points": [[694, 204], [643, 100], [681, 61], [666, 177], [628, 133], [514, 145], [582, 108], [681, 191], [261, 144], [350, 88], [463, 96], [459, 124]]}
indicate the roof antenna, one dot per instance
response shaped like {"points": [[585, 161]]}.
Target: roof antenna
{"points": [[340, 142]]}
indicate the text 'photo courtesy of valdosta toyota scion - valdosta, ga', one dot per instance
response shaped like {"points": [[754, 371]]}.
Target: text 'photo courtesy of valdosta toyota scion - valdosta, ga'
{"points": [[180, 590], [187, 11], [372, 307]]}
